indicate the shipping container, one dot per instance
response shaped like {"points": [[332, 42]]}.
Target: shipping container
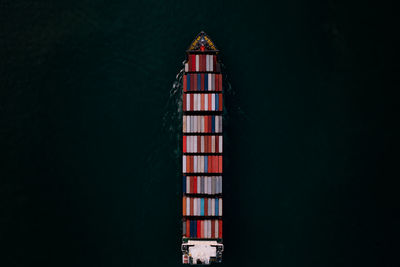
{"points": [[202, 124], [202, 143], [202, 206], [202, 228]]}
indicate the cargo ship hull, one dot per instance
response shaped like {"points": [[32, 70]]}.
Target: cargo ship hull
{"points": [[202, 154]]}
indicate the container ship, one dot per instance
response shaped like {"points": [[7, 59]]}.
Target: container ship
{"points": [[202, 160]]}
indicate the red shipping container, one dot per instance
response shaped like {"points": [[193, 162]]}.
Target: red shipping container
{"points": [[214, 59], [184, 83], [195, 82], [206, 206], [184, 144], [194, 63], [198, 228], [209, 102], [220, 102], [220, 228], [191, 102], [206, 124], [184, 102], [187, 228], [184, 206], [202, 82], [195, 184], [191, 60], [220, 82], [217, 144], [202, 102], [192, 185], [220, 164], [201, 229]]}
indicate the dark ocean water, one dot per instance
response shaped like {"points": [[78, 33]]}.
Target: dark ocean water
{"points": [[89, 112]]}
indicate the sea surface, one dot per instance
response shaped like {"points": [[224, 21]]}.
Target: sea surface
{"points": [[90, 131]]}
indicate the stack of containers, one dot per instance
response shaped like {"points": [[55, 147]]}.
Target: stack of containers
{"points": [[202, 147]]}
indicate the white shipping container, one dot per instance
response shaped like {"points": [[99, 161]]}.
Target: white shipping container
{"points": [[199, 102], [184, 163], [197, 62], [220, 144], [188, 184], [199, 163], [188, 206], [220, 206], [211, 63], [198, 205], [209, 229], [186, 67]]}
